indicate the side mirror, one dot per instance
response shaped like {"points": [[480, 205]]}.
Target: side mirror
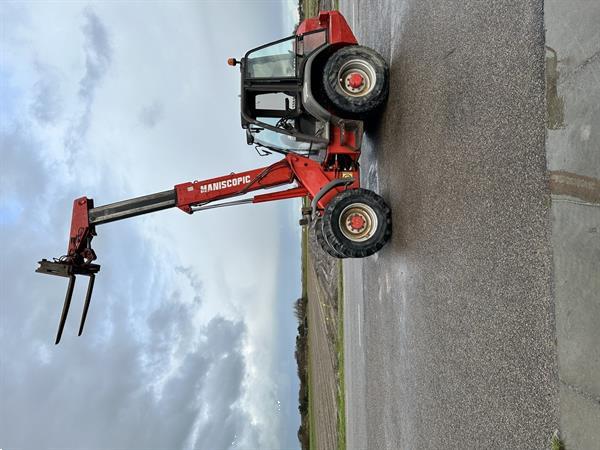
{"points": [[249, 137]]}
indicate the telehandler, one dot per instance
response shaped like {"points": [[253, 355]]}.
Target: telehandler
{"points": [[306, 97]]}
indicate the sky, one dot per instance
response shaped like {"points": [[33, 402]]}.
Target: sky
{"points": [[189, 342]]}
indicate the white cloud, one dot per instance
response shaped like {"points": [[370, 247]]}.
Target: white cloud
{"points": [[171, 285], [290, 15]]}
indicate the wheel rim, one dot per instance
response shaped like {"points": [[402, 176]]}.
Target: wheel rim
{"points": [[357, 78], [358, 222]]}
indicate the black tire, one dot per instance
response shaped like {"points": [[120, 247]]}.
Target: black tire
{"points": [[361, 208], [356, 102], [323, 242]]}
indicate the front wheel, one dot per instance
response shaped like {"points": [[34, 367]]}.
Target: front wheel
{"points": [[357, 223], [355, 79], [329, 249]]}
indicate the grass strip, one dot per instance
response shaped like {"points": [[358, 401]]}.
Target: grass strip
{"points": [[341, 392], [304, 243], [556, 443], [304, 264], [310, 8], [312, 437]]}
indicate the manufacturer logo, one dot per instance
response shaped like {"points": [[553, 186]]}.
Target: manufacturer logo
{"points": [[224, 184]]}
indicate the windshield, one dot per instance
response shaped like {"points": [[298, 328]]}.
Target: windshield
{"points": [[269, 138], [274, 61]]}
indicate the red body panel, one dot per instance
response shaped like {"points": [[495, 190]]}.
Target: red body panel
{"points": [[345, 143], [80, 226], [234, 184], [337, 146], [281, 195], [339, 31], [309, 175]]}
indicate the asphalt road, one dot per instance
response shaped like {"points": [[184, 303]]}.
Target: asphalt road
{"points": [[449, 330]]}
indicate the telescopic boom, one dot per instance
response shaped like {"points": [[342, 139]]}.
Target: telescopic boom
{"points": [[190, 197]]}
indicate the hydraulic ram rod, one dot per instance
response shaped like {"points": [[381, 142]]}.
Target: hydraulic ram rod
{"points": [[133, 207]]}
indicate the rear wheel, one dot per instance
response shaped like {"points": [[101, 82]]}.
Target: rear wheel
{"points": [[357, 223], [355, 79]]}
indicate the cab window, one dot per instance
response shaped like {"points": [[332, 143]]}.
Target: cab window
{"points": [[275, 101], [277, 60]]}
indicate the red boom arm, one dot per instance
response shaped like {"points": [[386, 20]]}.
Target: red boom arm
{"points": [[311, 178]]}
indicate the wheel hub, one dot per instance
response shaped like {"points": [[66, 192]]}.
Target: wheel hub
{"points": [[358, 222], [357, 78]]}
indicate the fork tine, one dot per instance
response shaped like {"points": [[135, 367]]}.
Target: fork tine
{"points": [[65, 310], [86, 305]]}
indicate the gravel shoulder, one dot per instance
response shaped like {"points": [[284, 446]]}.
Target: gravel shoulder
{"points": [[323, 326]]}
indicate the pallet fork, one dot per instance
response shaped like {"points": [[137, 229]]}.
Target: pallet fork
{"points": [[63, 268]]}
